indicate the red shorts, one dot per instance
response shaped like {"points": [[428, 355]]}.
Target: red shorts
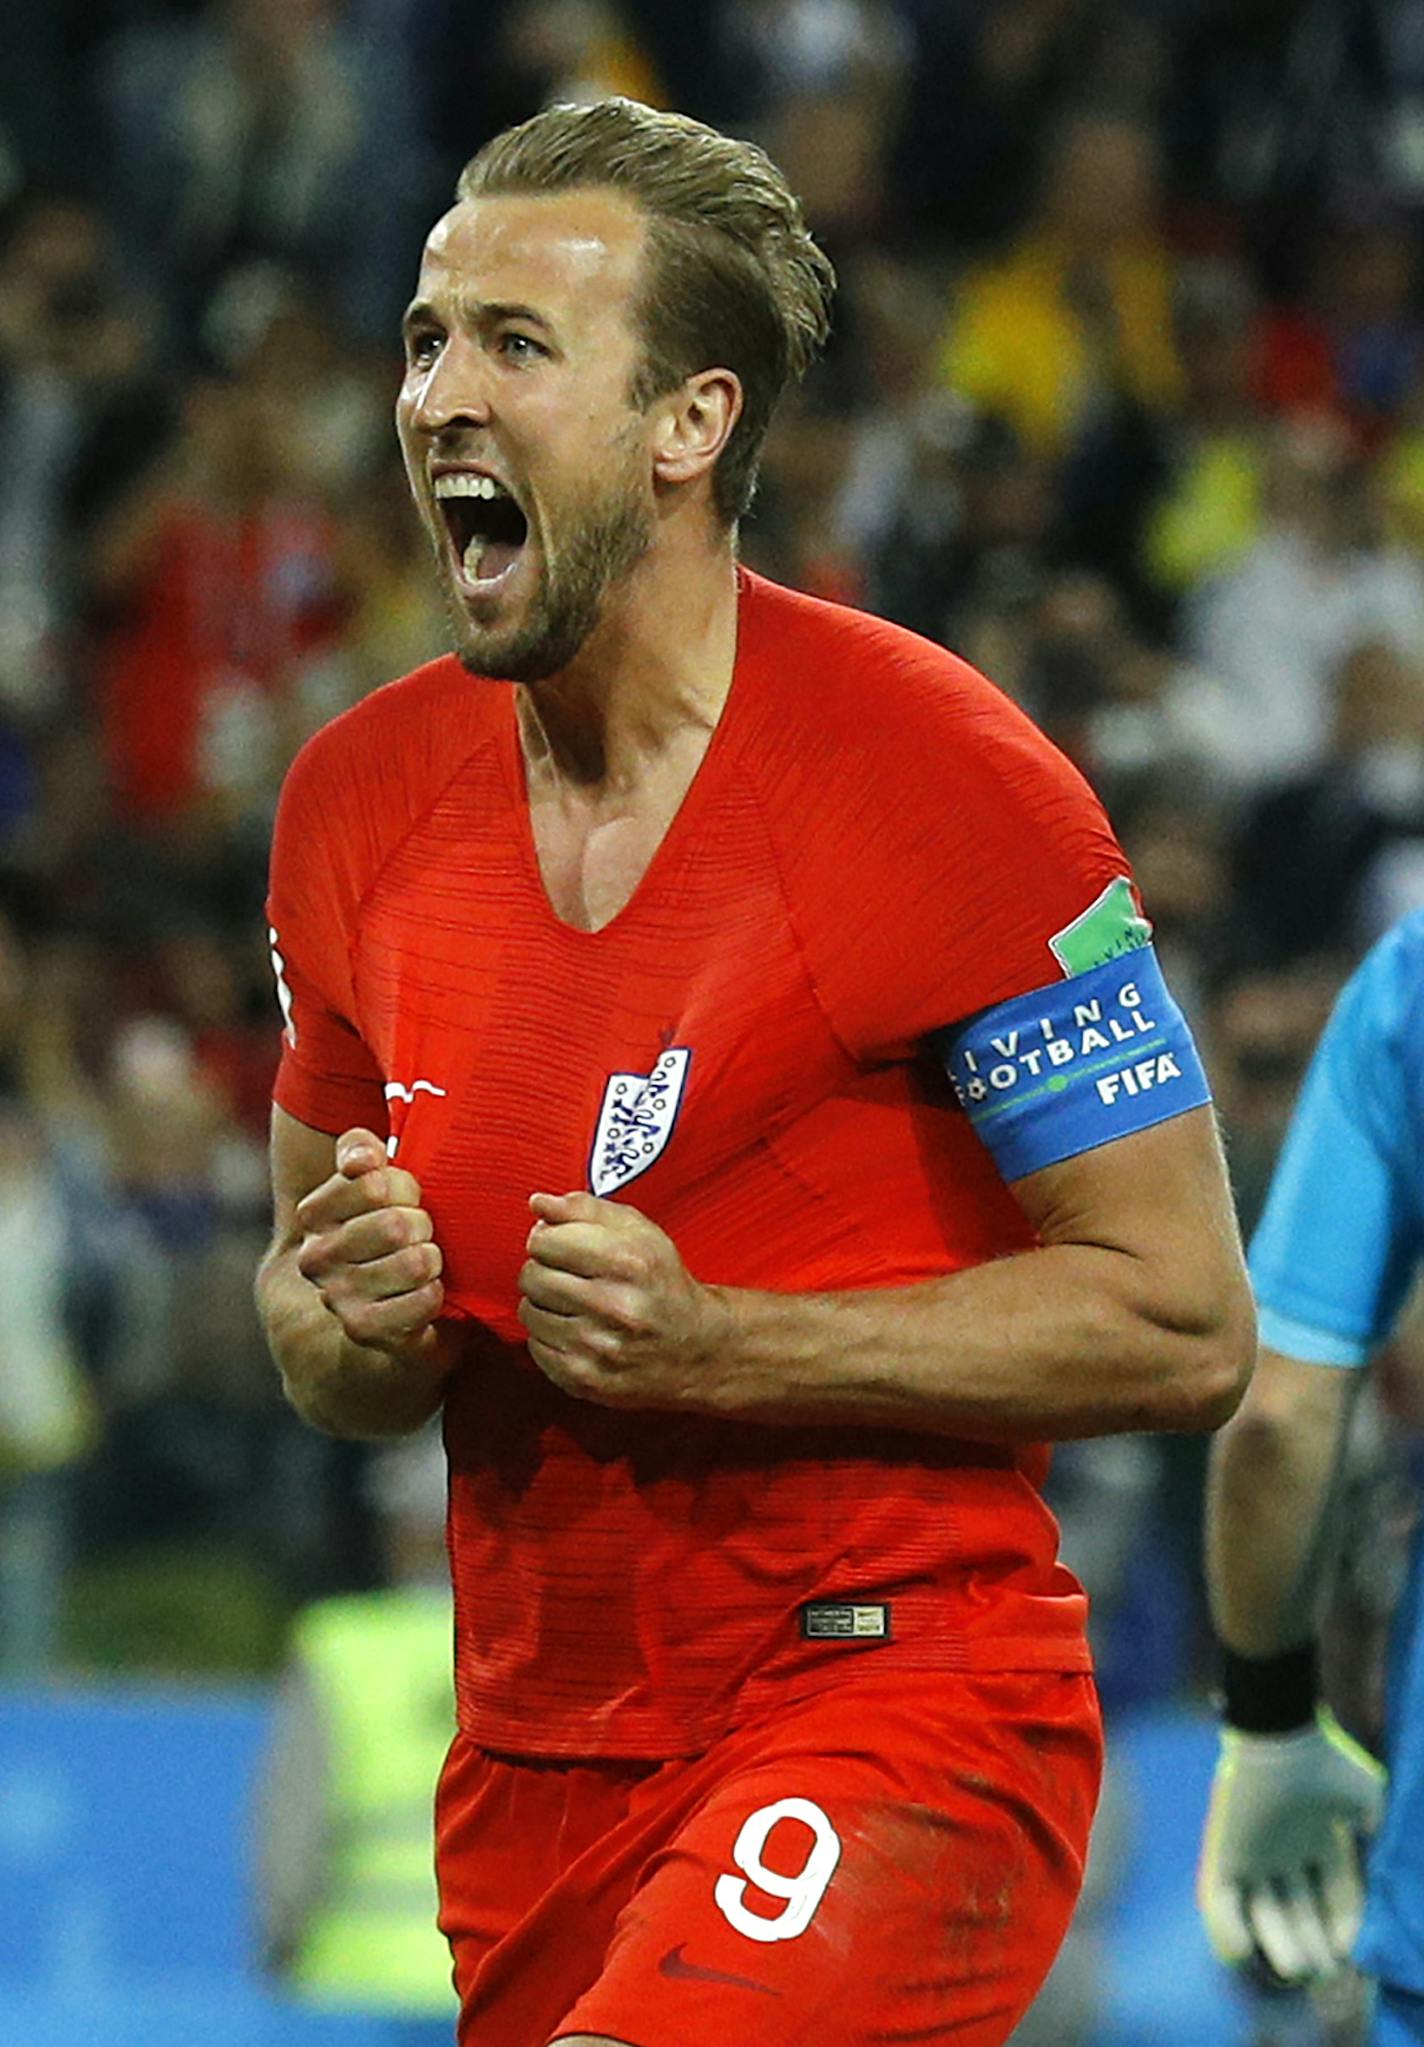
{"points": [[887, 1860]]}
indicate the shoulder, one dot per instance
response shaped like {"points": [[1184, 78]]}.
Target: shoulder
{"points": [[929, 839], [1399, 954], [868, 678], [1368, 1069], [846, 696], [400, 717], [1381, 1003], [381, 762], [359, 784]]}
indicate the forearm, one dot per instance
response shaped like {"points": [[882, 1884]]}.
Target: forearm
{"points": [[1061, 1341], [1270, 1489], [339, 1386]]}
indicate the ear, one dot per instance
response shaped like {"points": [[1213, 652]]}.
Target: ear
{"points": [[693, 424]]}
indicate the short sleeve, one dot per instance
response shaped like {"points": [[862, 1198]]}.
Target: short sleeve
{"points": [[327, 1077], [1333, 1255]]}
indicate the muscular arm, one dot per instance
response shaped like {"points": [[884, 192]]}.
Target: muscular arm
{"points": [[1270, 1488], [1133, 1312], [350, 1258]]}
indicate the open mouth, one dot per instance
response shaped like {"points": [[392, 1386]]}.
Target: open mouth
{"points": [[487, 528]]}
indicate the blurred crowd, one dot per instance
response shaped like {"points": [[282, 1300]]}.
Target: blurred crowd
{"points": [[1126, 404]]}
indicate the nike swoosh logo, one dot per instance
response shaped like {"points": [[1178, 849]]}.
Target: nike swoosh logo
{"points": [[673, 1964]]}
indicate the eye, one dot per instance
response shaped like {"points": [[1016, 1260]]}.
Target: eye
{"points": [[520, 347], [422, 345]]}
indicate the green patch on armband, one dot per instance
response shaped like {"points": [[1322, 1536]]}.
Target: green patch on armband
{"points": [[1109, 927]]}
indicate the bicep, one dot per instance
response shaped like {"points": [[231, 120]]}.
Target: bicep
{"points": [[1159, 1197], [301, 1159]]}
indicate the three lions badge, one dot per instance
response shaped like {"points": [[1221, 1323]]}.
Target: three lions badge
{"points": [[636, 1121]]}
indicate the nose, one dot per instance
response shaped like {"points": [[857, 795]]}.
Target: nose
{"points": [[451, 391]]}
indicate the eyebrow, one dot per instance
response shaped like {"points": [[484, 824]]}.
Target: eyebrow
{"points": [[479, 312]]}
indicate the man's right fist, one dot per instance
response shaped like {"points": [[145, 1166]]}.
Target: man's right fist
{"points": [[369, 1248]]}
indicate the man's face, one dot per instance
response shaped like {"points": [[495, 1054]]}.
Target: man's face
{"points": [[529, 464]]}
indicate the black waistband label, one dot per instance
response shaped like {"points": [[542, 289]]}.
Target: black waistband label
{"points": [[835, 1620]]}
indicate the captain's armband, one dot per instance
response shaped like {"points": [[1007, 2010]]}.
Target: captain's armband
{"points": [[1075, 1065]]}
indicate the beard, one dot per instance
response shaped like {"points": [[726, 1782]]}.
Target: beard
{"points": [[608, 542]]}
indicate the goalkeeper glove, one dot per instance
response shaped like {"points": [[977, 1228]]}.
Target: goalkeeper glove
{"points": [[1280, 1882]]}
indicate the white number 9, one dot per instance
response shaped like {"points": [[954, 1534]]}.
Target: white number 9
{"points": [[803, 1892]]}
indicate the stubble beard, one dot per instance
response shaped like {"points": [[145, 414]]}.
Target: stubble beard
{"points": [[601, 550]]}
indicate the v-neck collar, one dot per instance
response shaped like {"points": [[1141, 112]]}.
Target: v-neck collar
{"points": [[682, 827]]}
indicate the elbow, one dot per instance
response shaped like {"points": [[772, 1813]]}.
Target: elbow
{"points": [[1211, 1370]]}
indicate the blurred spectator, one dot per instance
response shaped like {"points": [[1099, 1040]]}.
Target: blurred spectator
{"points": [[78, 415], [366, 1711], [1401, 477], [479, 68], [1125, 709], [1320, 581], [1354, 346], [397, 620], [48, 135], [56, 1283], [1258, 1034], [218, 989], [1079, 309], [203, 1479], [1329, 859], [1209, 506], [1087, 680], [988, 86], [283, 134], [569, 50], [823, 80], [1275, 110], [962, 548], [791, 534], [47, 1415], [894, 309], [221, 575], [1160, 498], [163, 1125], [1175, 833], [276, 336]]}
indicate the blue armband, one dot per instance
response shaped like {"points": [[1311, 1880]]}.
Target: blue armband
{"points": [[1075, 1065]]}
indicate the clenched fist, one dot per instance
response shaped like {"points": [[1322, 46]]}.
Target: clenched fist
{"points": [[369, 1247], [613, 1314]]}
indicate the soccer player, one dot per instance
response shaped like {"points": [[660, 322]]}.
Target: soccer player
{"points": [[1336, 1249], [725, 1066]]}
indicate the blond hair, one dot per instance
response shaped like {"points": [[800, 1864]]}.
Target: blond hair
{"points": [[734, 280]]}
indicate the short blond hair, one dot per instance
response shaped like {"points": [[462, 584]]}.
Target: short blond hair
{"points": [[734, 280]]}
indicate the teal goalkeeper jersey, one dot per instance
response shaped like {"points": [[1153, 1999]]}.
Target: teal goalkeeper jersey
{"points": [[1336, 1250]]}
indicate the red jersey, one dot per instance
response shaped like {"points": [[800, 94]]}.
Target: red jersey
{"points": [[877, 844]]}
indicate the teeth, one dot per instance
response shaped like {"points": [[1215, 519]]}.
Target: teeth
{"points": [[474, 555], [459, 485]]}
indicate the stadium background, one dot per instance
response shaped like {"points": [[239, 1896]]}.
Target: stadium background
{"points": [[1126, 402]]}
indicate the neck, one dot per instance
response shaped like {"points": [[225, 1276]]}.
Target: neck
{"points": [[649, 683]]}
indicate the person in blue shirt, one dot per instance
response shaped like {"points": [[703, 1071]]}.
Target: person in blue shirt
{"points": [[1282, 1886]]}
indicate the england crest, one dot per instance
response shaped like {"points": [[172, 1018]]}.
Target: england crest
{"points": [[636, 1120]]}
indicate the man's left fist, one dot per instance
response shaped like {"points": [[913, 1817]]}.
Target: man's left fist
{"points": [[613, 1314]]}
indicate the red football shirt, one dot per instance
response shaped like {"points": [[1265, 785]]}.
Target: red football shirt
{"points": [[877, 843]]}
